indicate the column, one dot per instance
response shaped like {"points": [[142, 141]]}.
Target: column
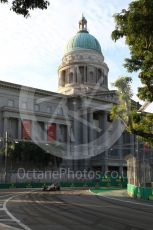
{"points": [[70, 147], [85, 127], [33, 131], [5, 125], [78, 75], [58, 138], [75, 75], [84, 77], [76, 130], [85, 162], [105, 120], [87, 74], [106, 161], [19, 129], [76, 125], [68, 139], [46, 132], [91, 137], [106, 144]]}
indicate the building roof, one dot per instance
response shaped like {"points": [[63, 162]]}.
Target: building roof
{"points": [[13, 86], [83, 40]]}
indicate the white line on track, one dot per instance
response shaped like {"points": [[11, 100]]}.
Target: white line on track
{"points": [[13, 218], [123, 201]]}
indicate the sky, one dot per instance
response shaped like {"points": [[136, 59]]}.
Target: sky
{"points": [[31, 49]]}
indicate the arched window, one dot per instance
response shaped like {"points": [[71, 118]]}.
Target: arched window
{"points": [[71, 78], [81, 74], [100, 77], [99, 74]]}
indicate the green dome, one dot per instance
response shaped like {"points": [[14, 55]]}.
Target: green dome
{"points": [[83, 40]]}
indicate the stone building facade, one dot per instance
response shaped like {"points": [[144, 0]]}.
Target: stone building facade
{"points": [[77, 117]]}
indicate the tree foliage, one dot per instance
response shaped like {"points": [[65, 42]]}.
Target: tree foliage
{"points": [[29, 155], [127, 110], [136, 25], [23, 7], [122, 110]]}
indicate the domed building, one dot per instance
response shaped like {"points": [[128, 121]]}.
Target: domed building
{"points": [[76, 119], [83, 68], [83, 77]]}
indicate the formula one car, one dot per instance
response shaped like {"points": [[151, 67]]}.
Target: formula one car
{"points": [[52, 187]]}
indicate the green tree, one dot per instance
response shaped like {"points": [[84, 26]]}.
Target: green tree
{"points": [[23, 7], [136, 25], [127, 110], [28, 155]]}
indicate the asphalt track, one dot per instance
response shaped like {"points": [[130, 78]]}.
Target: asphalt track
{"points": [[72, 210]]}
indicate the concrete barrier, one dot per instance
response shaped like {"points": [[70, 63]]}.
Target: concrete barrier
{"points": [[102, 183]]}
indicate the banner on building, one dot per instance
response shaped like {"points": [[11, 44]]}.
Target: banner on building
{"points": [[51, 132], [26, 129]]}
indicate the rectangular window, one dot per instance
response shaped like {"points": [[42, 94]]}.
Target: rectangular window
{"points": [[24, 105], [10, 103], [63, 133], [49, 109], [37, 108]]}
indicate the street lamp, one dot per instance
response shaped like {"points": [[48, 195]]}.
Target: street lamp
{"points": [[6, 154], [5, 140]]}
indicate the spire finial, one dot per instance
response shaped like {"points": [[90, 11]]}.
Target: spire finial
{"points": [[83, 24]]}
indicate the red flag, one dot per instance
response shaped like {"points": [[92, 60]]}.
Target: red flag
{"points": [[26, 129], [51, 132]]}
